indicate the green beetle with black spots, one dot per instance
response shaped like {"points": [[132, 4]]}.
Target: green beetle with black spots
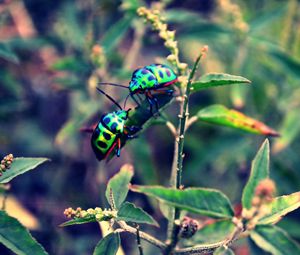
{"points": [[108, 132], [152, 77]]}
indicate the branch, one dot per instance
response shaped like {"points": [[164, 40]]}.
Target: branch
{"points": [[176, 174], [199, 249], [143, 235]]}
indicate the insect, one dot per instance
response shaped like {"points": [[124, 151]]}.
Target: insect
{"points": [[110, 129], [150, 78]]}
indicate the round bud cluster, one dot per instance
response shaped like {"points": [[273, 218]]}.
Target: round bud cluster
{"points": [[96, 213], [264, 194], [6, 163], [72, 213], [97, 56], [188, 227]]}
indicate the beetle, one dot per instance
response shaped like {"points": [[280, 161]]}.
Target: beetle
{"points": [[110, 129], [149, 78]]}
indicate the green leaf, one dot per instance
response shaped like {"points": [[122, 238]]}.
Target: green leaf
{"points": [[259, 172], [274, 240], [212, 233], [264, 19], [130, 213], [108, 245], [70, 63], [117, 186], [254, 249], [114, 35], [207, 202], [78, 221], [281, 206], [289, 63], [21, 166], [17, 238], [6, 53], [220, 115], [289, 131], [142, 116], [223, 251], [217, 79]]}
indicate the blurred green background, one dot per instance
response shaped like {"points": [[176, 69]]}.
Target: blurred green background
{"points": [[53, 54]]}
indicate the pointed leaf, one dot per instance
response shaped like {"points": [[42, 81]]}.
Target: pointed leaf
{"points": [[223, 251], [17, 238], [274, 240], [220, 115], [212, 232], [114, 35], [21, 166], [259, 172], [117, 186], [108, 245], [78, 221], [281, 206], [207, 202], [254, 249], [217, 79], [130, 213], [289, 131]]}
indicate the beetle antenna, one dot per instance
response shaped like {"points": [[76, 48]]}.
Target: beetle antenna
{"points": [[109, 97], [113, 84], [126, 101]]}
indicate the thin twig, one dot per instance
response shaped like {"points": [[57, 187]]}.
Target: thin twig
{"points": [[143, 235], [138, 240], [172, 128], [190, 122]]}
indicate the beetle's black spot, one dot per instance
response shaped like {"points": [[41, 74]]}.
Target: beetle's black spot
{"points": [[144, 71], [96, 132], [160, 73], [107, 136], [150, 78], [113, 127], [168, 73], [102, 144], [106, 120], [144, 83]]}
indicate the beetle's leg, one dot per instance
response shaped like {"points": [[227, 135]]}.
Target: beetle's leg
{"points": [[140, 98], [119, 147], [151, 98], [132, 129], [134, 99], [110, 149], [150, 103], [168, 92]]}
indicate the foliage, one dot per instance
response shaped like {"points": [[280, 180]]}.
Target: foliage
{"points": [[53, 57]]}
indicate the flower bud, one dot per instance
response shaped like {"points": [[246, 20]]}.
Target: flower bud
{"points": [[266, 189], [188, 227]]}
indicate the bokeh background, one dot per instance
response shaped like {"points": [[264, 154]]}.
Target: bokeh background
{"points": [[53, 54]]}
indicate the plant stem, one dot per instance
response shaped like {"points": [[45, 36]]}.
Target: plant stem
{"points": [[176, 175], [143, 235], [199, 249], [138, 240]]}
